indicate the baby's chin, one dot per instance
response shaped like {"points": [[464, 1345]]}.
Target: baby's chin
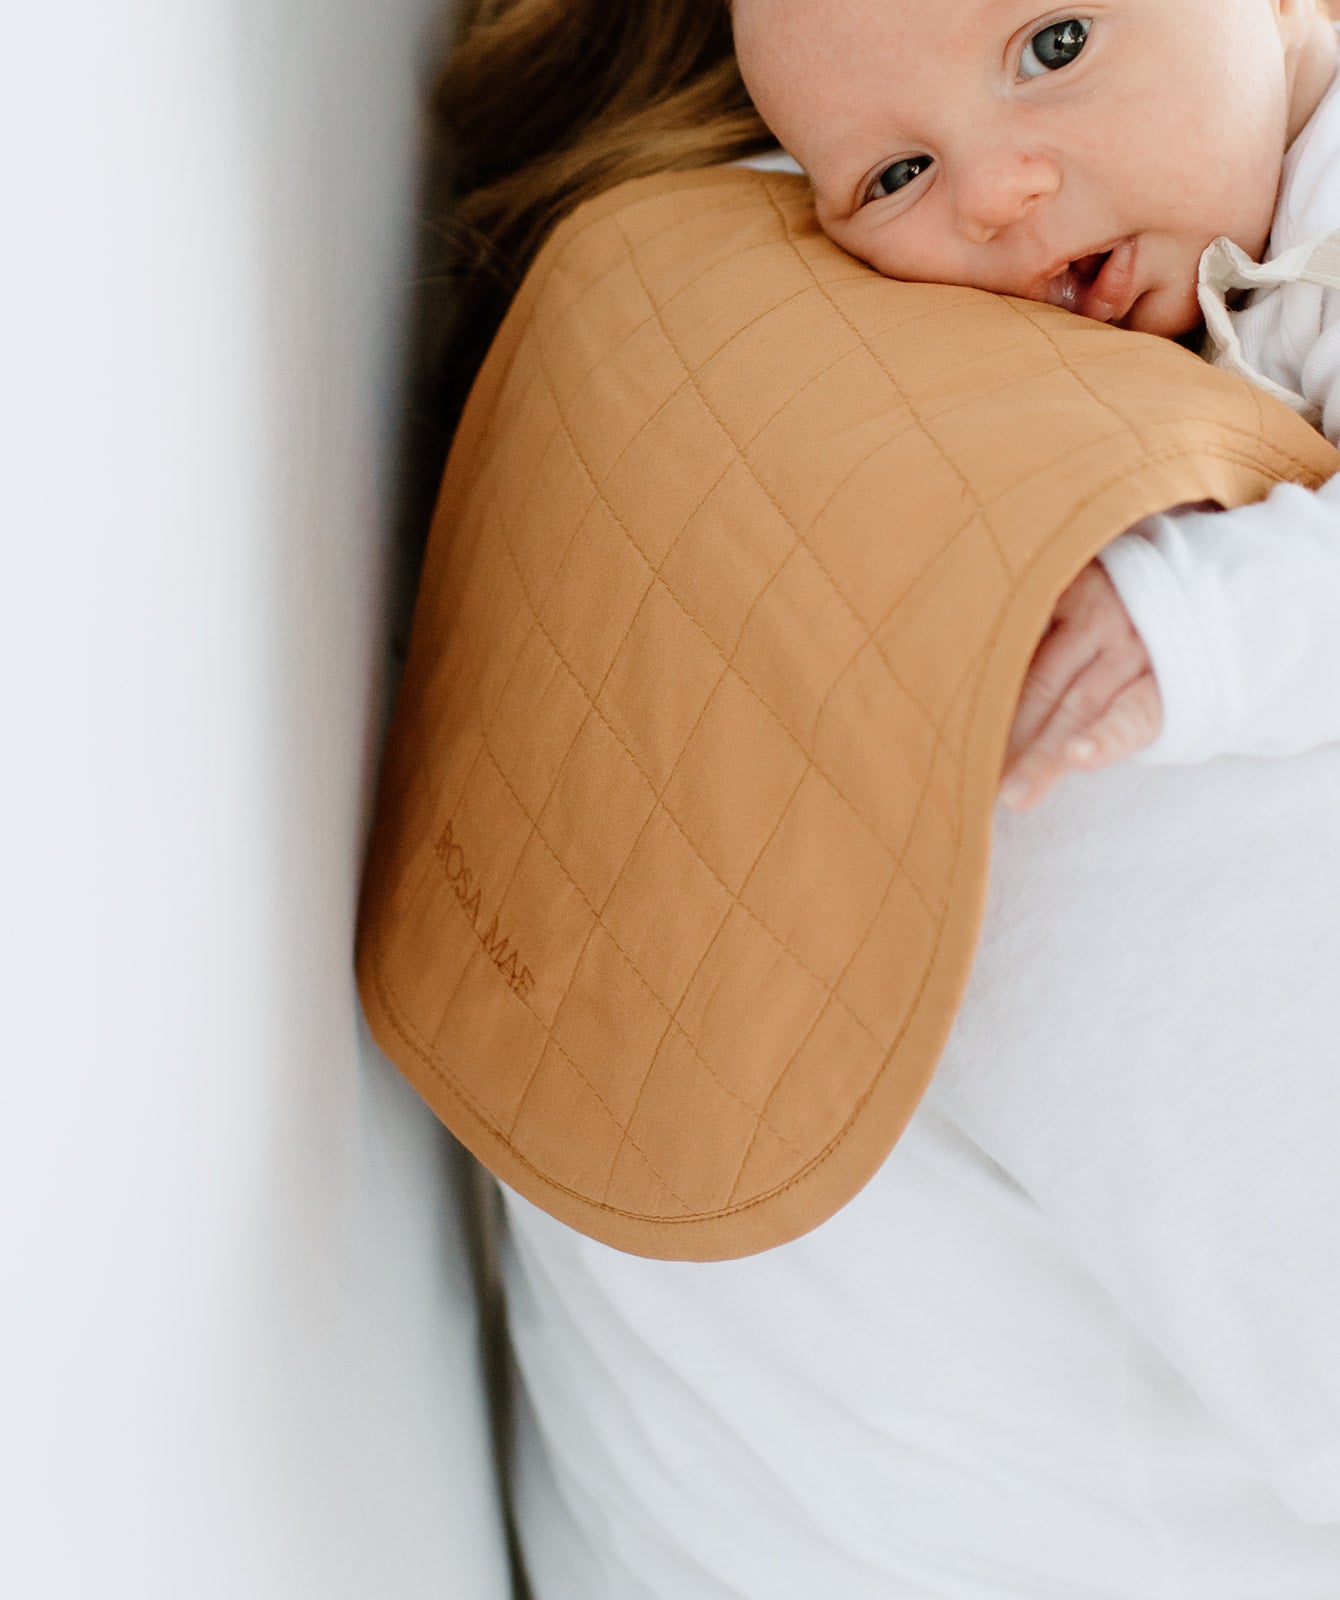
{"points": [[1169, 311]]}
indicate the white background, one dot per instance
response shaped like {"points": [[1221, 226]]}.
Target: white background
{"points": [[237, 1343]]}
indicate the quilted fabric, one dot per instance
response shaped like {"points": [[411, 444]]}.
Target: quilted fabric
{"points": [[742, 552]]}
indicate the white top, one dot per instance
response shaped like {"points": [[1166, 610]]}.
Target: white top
{"points": [[1079, 1339]]}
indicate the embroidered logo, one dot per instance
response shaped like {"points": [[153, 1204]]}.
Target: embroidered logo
{"points": [[498, 947]]}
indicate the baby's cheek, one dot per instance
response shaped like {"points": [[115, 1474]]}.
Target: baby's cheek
{"points": [[863, 249], [884, 245]]}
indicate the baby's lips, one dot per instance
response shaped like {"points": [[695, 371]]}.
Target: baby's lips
{"points": [[1111, 294]]}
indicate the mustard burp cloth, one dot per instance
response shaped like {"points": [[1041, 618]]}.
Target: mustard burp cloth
{"points": [[742, 552]]}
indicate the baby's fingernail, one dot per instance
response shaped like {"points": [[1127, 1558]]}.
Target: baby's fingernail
{"points": [[1082, 749], [1014, 791]]}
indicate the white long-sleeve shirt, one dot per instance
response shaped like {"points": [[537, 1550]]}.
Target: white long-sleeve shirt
{"points": [[1079, 1337], [1240, 610]]}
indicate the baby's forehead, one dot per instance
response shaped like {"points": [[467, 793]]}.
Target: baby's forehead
{"points": [[817, 69], [952, 20], [798, 40]]}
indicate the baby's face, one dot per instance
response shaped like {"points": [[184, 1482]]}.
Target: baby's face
{"points": [[1083, 156]]}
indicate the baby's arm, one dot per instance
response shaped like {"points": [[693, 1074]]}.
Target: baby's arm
{"points": [[1239, 613]]}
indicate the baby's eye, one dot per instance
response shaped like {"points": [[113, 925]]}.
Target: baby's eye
{"points": [[1054, 46], [898, 175]]}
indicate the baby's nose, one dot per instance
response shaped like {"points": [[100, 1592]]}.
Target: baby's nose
{"points": [[1000, 188]]}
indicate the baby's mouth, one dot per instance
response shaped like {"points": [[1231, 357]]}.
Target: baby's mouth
{"points": [[1097, 285], [1067, 286]]}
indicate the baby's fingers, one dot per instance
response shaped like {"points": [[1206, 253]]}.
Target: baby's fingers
{"points": [[1095, 724], [1130, 723]]}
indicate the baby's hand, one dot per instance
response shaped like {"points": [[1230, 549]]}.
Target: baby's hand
{"points": [[1089, 697]]}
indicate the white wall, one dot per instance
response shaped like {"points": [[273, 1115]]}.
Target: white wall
{"points": [[237, 1344]]}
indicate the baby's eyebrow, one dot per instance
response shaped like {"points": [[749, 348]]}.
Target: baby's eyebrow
{"points": [[1012, 8]]}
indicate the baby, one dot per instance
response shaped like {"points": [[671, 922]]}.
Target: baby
{"points": [[1087, 160]]}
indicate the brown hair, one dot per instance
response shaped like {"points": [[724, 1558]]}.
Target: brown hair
{"points": [[545, 103]]}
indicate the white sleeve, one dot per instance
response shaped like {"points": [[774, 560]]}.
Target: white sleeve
{"points": [[1240, 613]]}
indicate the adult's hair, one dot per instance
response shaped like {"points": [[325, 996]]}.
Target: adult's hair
{"points": [[543, 104]]}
